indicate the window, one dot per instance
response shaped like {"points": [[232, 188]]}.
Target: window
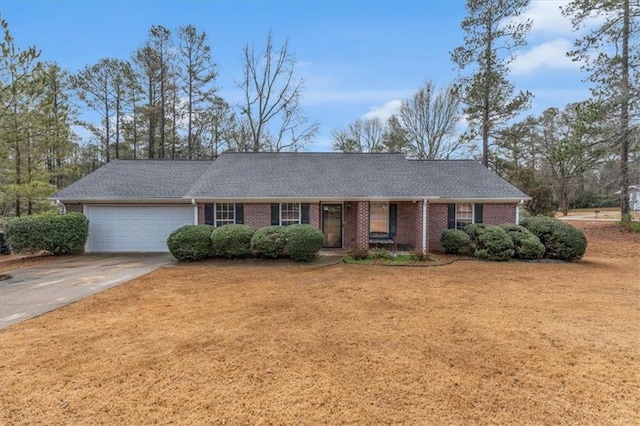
{"points": [[289, 213], [379, 217], [225, 214], [464, 215]]}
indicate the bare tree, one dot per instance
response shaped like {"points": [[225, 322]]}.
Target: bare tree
{"points": [[271, 99], [428, 120], [363, 135]]}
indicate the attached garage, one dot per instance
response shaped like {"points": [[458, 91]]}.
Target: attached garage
{"points": [[134, 228]]}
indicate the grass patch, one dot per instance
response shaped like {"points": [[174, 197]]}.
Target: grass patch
{"points": [[627, 223], [399, 259]]}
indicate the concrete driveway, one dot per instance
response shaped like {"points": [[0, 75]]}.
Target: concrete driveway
{"points": [[37, 289]]}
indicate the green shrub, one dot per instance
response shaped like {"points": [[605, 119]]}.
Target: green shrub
{"points": [[379, 253], [494, 243], [561, 240], [232, 240], [454, 241], [526, 245], [269, 241], [474, 230], [57, 234], [191, 242], [303, 242]]}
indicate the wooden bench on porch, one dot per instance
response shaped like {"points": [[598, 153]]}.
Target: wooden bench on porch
{"points": [[382, 238]]}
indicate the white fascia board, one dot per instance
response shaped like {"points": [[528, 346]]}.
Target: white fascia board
{"points": [[125, 201], [303, 200], [479, 200]]}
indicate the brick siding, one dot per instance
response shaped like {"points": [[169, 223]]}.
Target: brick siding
{"points": [[73, 208], [492, 214], [350, 223], [362, 223]]}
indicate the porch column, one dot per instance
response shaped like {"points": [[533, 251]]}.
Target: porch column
{"points": [[418, 226], [362, 224]]}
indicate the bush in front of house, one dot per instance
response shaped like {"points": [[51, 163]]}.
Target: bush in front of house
{"points": [[232, 240], [494, 243], [303, 242], [455, 241], [191, 242], [379, 253], [474, 230], [561, 240], [52, 232], [526, 245], [269, 241]]}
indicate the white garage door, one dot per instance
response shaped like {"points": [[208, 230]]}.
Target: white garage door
{"points": [[134, 228]]}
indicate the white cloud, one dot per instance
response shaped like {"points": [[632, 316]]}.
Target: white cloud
{"points": [[547, 17], [549, 55], [385, 111]]}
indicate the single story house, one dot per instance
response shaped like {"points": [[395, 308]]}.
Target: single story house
{"points": [[354, 199]]}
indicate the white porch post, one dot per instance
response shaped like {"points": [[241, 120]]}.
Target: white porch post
{"points": [[195, 211], [424, 225]]}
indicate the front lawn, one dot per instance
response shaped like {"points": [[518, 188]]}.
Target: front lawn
{"points": [[471, 342]]}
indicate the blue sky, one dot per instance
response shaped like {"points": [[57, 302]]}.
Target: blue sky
{"points": [[358, 58]]}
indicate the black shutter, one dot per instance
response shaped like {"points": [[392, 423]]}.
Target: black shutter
{"points": [[304, 213], [240, 214], [275, 214], [208, 214], [477, 215], [393, 219], [451, 216]]}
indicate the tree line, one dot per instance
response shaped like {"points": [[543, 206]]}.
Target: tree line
{"points": [[579, 154], [162, 102]]}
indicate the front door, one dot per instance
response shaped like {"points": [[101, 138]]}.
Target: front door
{"points": [[332, 225]]}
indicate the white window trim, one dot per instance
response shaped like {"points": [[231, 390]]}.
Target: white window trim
{"points": [[215, 215], [290, 221], [388, 214], [473, 215]]}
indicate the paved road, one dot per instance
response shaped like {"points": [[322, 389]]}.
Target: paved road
{"points": [[37, 289]]}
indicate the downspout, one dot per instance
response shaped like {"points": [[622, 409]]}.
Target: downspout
{"points": [[64, 208], [424, 225], [195, 211]]}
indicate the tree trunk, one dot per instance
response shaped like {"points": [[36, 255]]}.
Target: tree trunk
{"points": [[624, 113]]}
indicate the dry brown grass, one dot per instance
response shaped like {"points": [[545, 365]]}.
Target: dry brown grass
{"points": [[471, 342]]}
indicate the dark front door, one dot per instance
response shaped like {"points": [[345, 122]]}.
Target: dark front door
{"points": [[332, 225]]}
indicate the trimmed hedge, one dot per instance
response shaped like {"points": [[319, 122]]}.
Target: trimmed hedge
{"points": [[526, 245], [303, 242], [52, 232], [191, 242], [474, 230], [561, 240], [232, 240], [455, 241], [494, 243], [269, 242]]}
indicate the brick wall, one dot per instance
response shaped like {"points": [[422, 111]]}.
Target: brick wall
{"points": [[436, 223], [350, 223], [492, 214], [497, 214], [258, 215], [408, 213], [362, 223], [73, 208]]}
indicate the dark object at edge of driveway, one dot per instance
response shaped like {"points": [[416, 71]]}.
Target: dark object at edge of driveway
{"points": [[4, 248]]}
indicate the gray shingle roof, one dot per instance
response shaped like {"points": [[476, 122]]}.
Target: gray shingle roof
{"points": [[136, 179], [290, 176]]}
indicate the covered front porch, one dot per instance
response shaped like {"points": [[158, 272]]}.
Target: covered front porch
{"points": [[396, 225]]}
